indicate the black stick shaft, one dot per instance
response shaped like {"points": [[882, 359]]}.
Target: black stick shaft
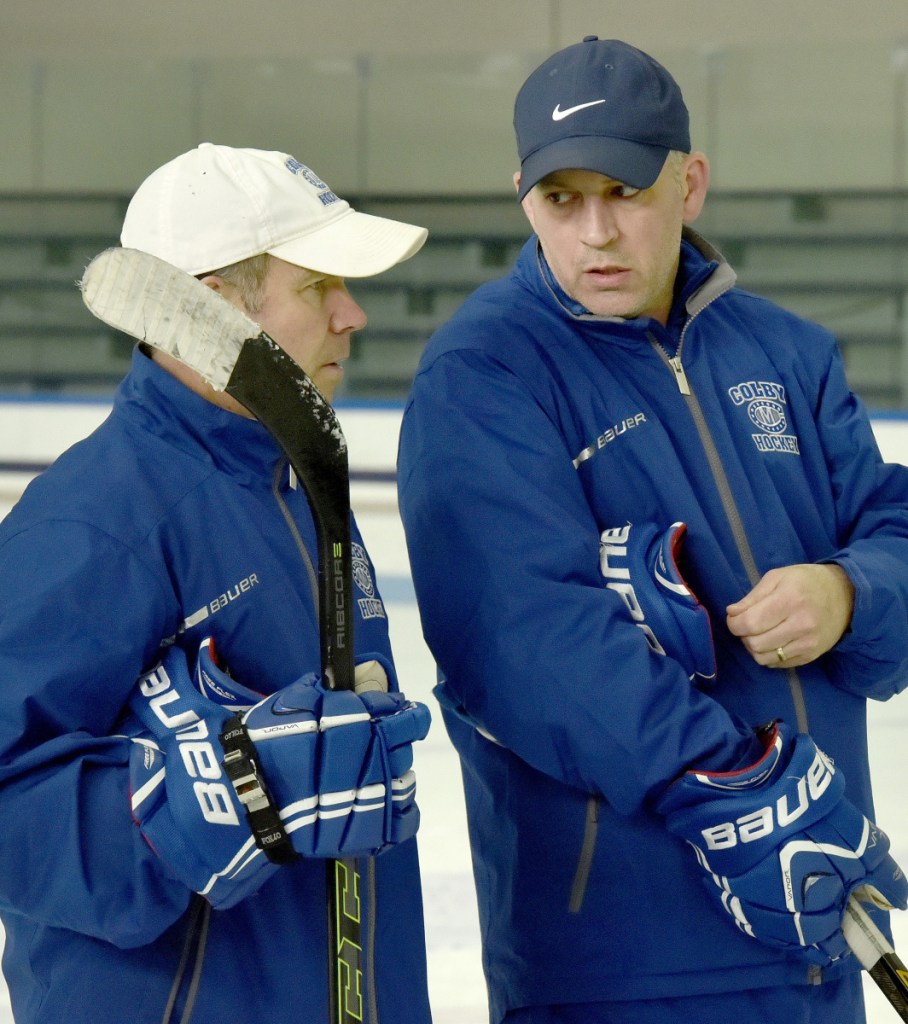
{"points": [[272, 387], [289, 405], [892, 979]]}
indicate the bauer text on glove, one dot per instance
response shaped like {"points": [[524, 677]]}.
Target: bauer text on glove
{"points": [[782, 847], [640, 564]]}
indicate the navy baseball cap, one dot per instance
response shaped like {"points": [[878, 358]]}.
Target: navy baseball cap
{"points": [[600, 105]]}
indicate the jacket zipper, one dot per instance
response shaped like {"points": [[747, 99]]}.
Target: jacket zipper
{"points": [[680, 376], [283, 467], [814, 973], [728, 502]]}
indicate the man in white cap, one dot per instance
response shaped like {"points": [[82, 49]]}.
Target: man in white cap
{"points": [[268, 233], [645, 851], [160, 575]]}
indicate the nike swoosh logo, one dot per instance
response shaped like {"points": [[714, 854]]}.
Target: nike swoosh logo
{"points": [[559, 115], [279, 707]]}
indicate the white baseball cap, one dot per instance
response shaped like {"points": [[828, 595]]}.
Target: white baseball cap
{"points": [[217, 205]]}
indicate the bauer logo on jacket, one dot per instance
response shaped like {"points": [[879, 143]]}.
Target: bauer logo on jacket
{"points": [[607, 436], [765, 404]]}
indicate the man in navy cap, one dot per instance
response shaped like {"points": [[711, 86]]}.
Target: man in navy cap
{"points": [[661, 566]]}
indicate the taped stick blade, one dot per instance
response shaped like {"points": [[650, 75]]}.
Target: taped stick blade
{"points": [[157, 303]]}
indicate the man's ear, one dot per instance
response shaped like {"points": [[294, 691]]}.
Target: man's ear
{"points": [[225, 289], [696, 183], [215, 283]]}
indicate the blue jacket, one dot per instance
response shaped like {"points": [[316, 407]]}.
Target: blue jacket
{"points": [[532, 426], [173, 520]]}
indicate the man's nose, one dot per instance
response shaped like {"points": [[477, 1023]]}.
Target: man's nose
{"points": [[599, 227]]}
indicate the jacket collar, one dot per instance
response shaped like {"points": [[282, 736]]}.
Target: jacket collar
{"points": [[703, 275], [156, 401]]}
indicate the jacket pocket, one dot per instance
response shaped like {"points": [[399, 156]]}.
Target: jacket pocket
{"points": [[587, 849]]}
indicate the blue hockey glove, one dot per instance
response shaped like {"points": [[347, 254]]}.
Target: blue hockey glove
{"points": [[640, 563], [331, 768], [783, 847]]}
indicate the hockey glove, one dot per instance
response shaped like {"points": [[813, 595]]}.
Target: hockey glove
{"points": [[783, 847], [640, 564], [333, 766]]}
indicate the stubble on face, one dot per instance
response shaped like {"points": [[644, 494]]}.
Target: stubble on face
{"points": [[613, 249]]}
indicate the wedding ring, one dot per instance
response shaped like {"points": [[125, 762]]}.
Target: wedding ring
{"points": [[780, 651]]}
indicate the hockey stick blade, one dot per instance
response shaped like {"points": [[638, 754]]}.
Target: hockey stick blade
{"points": [[142, 296], [150, 300], [876, 955]]}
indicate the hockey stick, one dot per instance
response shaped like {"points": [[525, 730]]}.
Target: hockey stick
{"points": [[172, 311], [876, 956]]}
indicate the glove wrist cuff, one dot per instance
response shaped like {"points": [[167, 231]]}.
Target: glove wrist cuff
{"points": [[753, 775], [264, 821]]}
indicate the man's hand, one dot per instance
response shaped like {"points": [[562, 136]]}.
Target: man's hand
{"points": [[782, 848], [335, 766], [794, 614]]}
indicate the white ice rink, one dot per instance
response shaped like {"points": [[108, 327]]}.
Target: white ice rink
{"points": [[455, 976]]}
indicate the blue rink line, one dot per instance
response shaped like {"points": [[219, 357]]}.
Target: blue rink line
{"points": [[370, 476], [396, 589], [23, 467]]}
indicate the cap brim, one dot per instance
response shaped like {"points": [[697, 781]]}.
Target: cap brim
{"points": [[354, 245], [628, 162]]}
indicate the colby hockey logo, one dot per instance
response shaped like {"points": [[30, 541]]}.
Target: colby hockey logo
{"points": [[325, 196], [370, 607], [765, 404]]}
